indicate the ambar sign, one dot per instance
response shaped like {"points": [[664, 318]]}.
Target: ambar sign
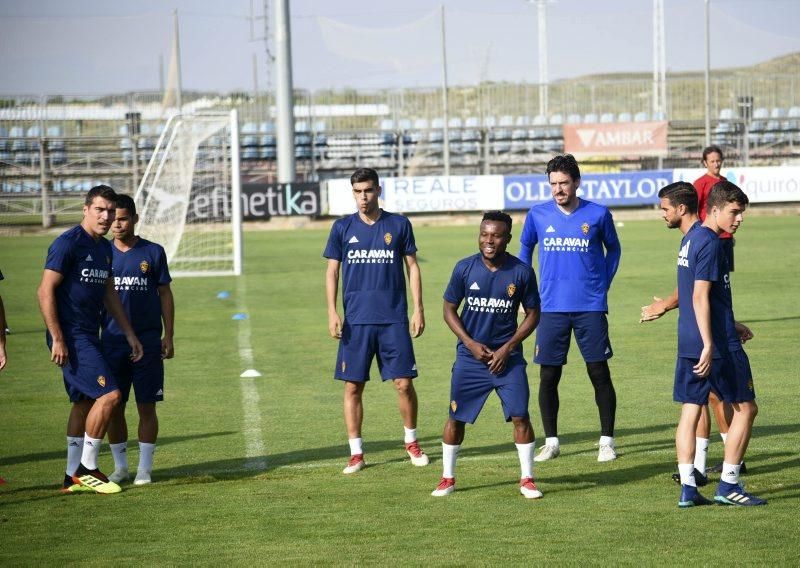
{"points": [[264, 200], [622, 139]]}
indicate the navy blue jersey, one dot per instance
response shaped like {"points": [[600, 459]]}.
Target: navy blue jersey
{"points": [[373, 280], [85, 265], [575, 271], [491, 299], [138, 272], [701, 258]]}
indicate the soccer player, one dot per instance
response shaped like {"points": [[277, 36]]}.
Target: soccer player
{"points": [[76, 285], [492, 284], [142, 280], [579, 254], [367, 247], [710, 354]]}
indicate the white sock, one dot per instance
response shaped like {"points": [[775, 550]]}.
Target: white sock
{"points": [[687, 474], [525, 453], [355, 446], [410, 435], [724, 436], [449, 456], [607, 441], [74, 451], [91, 449], [146, 452], [120, 453], [700, 453], [551, 441], [730, 473]]}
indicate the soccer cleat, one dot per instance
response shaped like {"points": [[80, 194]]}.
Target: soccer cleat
{"points": [[718, 469], [700, 479], [528, 488], [607, 453], [355, 464], [69, 486], [95, 480], [690, 497], [418, 457], [446, 486], [142, 478], [734, 494], [547, 453], [119, 475]]}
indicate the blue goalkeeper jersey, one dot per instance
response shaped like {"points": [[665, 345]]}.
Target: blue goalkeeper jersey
{"points": [[372, 257], [491, 299], [701, 258], [579, 254], [138, 272]]}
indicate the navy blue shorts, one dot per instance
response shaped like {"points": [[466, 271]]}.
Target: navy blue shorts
{"points": [[553, 335], [737, 378], [689, 388], [390, 343], [146, 375], [87, 374], [472, 382]]}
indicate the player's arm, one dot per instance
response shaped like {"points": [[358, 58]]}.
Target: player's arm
{"points": [[478, 350], [526, 327], [527, 241], [59, 354], [702, 313], [3, 358], [168, 317], [114, 307], [613, 248], [415, 283], [331, 291], [745, 334], [659, 307]]}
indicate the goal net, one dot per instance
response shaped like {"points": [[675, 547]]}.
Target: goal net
{"points": [[189, 197]]}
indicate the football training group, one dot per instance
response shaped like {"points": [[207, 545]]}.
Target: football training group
{"points": [[109, 313]]}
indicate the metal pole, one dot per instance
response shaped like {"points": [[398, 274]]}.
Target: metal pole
{"points": [[662, 57], [45, 181], [543, 72], [446, 132], [708, 74], [179, 93], [284, 104], [236, 195], [655, 58]]}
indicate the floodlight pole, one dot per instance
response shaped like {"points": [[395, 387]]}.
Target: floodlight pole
{"points": [[445, 110], [708, 74], [284, 102], [177, 52], [543, 71]]}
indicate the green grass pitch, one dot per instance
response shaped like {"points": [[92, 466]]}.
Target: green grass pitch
{"points": [[211, 503]]}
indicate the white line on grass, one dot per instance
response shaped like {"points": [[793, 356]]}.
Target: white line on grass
{"points": [[253, 442]]}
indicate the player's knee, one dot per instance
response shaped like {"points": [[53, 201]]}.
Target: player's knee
{"points": [[112, 399], [550, 375], [521, 422], [599, 373], [147, 410], [405, 387]]}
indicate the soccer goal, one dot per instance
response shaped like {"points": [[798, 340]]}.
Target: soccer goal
{"points": [[189, 197]]}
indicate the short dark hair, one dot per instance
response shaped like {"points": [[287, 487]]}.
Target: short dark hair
{"points": [[566, 164], [126, 202], [364, 174], [104, 191], [713, 149], [725, 192], [498, 216], [680, 193]]}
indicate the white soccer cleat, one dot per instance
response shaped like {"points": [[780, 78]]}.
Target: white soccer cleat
{"points": [[142, 478], [119, 475], [355, 464], [607, 453], [418, 457], [528, 488], [547, 452], [446, 486]]}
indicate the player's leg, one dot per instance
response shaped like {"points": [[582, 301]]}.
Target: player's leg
{"points": [[700, 449], [525, 442], [148, 433], [723, 414], [353, 419], [76, 425], [552, 344], [118, 358], [353, 360], [148, 384], [452, 438]]}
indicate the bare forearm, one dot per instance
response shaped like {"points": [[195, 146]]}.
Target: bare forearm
{"points": [[331, 289], [167, 310], [415, 281], [47, 305], [525, 328]]}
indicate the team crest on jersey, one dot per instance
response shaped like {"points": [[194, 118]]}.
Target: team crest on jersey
{"points": [[101, 380], [511, 289], [585, 228], [387, 238], [453, 405], [144, 266]]}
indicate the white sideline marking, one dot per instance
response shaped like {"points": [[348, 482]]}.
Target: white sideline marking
{"points": [[253, 442]]}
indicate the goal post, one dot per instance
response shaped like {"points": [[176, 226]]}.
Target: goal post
{"points": [[189, 198]]}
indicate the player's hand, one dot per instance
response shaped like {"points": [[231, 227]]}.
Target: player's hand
{"points": [[654, 311], [703, 367], [745, 334], [136, 349], [497, 364], [59, 354], [480, 351], [167, 348], [417, 323], [335, 325]]}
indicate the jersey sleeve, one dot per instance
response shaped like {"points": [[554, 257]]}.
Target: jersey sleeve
{"points": [[59, 256], [707, 260], [408, 245], [333, 249], [613, 247], [162, 269], [531, 299], [528, 239], [454, 293]]}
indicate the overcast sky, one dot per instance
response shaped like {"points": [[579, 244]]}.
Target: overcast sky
{"points": [[101, 46]]}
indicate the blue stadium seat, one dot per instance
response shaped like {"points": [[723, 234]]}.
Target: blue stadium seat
{"points": [[726, 114], [624, 117], [794, 112], [778, 112], [386, 124], [574, 118], [641, 116], [522, 120], [472, 122], [539, 120], [557, 120], [607, 117], [590, 118], [760, 113]]}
